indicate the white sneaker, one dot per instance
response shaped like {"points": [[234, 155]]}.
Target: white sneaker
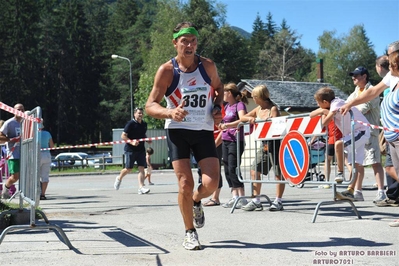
{"points": [[252, 206], [276, 206], [5, 193], [117, 183], [358, 196], [339, 178], [381, 196], [143, 190], [191, 241], [241, 203]]}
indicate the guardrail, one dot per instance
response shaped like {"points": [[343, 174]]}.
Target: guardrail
{"points": [[84, 163], [102, 164]]}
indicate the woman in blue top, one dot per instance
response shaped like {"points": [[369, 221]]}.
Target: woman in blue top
{"points": [[234, 110], [46, 142]]}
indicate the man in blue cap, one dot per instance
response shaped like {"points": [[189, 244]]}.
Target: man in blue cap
{"points": [[371, 110]]}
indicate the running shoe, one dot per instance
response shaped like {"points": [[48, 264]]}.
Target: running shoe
{"points": [[387, 202], [117, 183], [199, 217], [253, 206], [381, 196], [394, 224], [228, 204], [191, 241], [339, 178], [276, 206], [143, 190], [358, 196], [5, 193], [241, 203], [345, 195]]}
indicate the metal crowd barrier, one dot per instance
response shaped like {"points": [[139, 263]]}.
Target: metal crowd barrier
{"points": [[294, 155], [29, 181]]}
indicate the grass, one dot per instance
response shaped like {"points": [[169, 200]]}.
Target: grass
{"points": [[9, 206], [6, 206]]}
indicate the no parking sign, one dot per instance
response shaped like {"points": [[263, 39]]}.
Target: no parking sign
{"points": [[294, 157]]}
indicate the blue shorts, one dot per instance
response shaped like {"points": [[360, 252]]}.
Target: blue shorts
{"points": [[182, 141], [135, 156]]}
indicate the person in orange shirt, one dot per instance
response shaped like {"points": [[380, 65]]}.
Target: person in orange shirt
{"points": [[334, 148]]}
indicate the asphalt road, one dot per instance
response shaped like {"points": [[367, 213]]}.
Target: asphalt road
{"points": [[108, 227]]}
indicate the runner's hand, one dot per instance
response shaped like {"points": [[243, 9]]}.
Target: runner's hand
{"points": [[179, 114]]}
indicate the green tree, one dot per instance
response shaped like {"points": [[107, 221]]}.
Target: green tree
{"points": [[49, 53], [231, 56], [97, 17], [280, 59], [161, 49], [19, 63], [342, 55], [270, 26], [77, 95], [127, 31], [208, 18], [259, 34]]}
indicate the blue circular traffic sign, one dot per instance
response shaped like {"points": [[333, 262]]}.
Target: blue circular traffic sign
{"points": [[294, 157]]}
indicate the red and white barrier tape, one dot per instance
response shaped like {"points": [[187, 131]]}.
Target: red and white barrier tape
{"points": [[377, 127], [9, 109], [104, 143], [107, 143]]}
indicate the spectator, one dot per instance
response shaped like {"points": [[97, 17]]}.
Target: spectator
{"points": [[46, 141], [371, 110], [329, 106], [234, 109], [10, 133], [267, 153], [148, 170], [334, 148], [382, 68], [389, 106], [215, 200]]}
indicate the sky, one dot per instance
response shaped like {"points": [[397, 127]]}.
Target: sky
{"points": [[310, 18]]}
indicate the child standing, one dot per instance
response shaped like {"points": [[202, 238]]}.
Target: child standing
{"points": [[329, 109], [148, 170]]}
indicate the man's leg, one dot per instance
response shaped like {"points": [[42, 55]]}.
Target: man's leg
{"points": [[12, 179], [210, 178], [140, 176], [185, 180], [124, 172]]}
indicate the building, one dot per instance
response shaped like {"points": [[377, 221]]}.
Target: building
{"points": [[295, 97]]}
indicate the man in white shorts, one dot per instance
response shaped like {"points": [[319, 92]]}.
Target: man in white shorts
{"points": [[371, 110]]}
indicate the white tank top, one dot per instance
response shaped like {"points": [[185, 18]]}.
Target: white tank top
{"points": [[194, 88]]}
